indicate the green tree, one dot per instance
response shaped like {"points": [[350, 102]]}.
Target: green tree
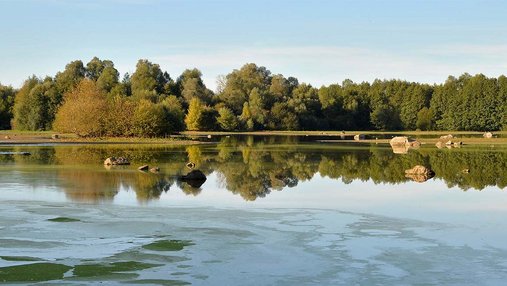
{"points": [[200, 116], [240, 83], [148, 81], [149, 119], [26, 105], [6, 105], [425, 119], [227, 120], [73, 74], [175, 114]]}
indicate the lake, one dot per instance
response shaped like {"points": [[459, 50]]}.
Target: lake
{"points": [[273, 210]]}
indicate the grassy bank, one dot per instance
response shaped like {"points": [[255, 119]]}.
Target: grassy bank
{"points": [[42, 137]]}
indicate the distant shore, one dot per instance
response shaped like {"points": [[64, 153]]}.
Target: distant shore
{"points": [[12, 137]]}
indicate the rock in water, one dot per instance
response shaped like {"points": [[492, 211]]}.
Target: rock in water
{"points": [[359, 137], [116, 161], [155, 170], [401, 144], [143, 168]]}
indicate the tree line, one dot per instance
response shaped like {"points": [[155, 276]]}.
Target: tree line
{"points": [[92, 100]]}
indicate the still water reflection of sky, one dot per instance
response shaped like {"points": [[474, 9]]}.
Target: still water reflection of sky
{"points": [[351, 218]]}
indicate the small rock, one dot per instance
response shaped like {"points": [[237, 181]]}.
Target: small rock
{"points": [[143, 168], [466, 171], [359, 137], [7, 137], [155, 170], [209, 136], [457, 144], [55, 136], [190, 165]]}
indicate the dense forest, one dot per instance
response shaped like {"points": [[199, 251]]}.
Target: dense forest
{"points": [[91, 100]]}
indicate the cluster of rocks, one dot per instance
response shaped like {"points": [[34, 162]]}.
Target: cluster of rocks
{"points": [[447, 141], [114, 161], [146, 168]]}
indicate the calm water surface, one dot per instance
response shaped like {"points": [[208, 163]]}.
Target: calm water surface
{"points": [[273, 211]]}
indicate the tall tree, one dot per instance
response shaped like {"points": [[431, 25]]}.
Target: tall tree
{"points": [[240, 83], [73, 74], [148, 81]]}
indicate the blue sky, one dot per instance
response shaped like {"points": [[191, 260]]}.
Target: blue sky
{"points": [[319, 41]]}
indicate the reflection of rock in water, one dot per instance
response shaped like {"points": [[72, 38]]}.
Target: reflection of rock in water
{"points": [[194, 178], [419, 174], [400, 149]]}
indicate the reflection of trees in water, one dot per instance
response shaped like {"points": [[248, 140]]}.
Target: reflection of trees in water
{"points": [[252, 167]]}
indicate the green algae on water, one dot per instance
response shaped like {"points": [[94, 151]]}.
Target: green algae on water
{"points": [[168, 245], [63, 219], [33, 272], [99, 270]]}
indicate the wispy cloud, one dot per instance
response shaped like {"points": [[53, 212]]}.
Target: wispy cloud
{"points": [[320, 65]]}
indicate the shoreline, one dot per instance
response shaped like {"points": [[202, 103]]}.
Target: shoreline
{"points": [[9, 137]]}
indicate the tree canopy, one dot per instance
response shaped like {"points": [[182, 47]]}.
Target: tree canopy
{"points": [[253, 98]]}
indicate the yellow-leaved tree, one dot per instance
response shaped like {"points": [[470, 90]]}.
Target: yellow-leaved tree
{"points": [[83, 112]]}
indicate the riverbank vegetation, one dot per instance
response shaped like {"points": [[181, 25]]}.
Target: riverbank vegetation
{"points": [[92, 101]]}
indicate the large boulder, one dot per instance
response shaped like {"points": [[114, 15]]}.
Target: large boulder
{"points": [[404, 140], [401, 144], [419, 173], [487, 135], [116, 161]]}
